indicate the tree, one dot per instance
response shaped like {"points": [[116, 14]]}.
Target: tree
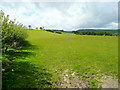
{"points": [[41, 28], [29, 26], [12, 34]]}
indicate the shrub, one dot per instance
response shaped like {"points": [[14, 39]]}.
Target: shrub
{"points": [[58, 32], [50, 30], [12, 34]]}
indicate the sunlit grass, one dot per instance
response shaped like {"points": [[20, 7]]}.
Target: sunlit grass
{"points": [[76, 51], [50, 54]]}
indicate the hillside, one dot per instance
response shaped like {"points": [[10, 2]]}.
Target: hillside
{"points": [[53, 59]]}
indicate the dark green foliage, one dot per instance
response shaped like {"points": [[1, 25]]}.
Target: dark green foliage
{"points": [[29, 26], [55, 31], [41, 28], [20, 54], [101, 30], [94, 33], [18, 72], [58, 32], [22, 73], [12, 34], [50, 30]]}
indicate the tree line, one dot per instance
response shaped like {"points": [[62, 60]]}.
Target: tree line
{"points": [[101, 33], [55, 31]]}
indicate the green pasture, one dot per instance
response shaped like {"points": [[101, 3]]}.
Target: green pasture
{"points": [[49, 54]]}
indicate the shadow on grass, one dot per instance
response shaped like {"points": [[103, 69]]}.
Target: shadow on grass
{"points": [[20, 53], [26, 45], [22, 73], [13, 55]]}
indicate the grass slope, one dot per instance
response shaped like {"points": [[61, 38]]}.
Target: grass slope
{"points": [[83, 54], [78, 52]]}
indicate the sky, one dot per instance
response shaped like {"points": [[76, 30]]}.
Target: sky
{"points": [[64, 15]]}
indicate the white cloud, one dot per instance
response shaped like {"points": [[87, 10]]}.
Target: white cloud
{"points": [[64, 15], [59, 1], [112, 25]]}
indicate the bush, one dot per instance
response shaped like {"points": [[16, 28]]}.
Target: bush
{"points": [[12, 34], [58, 32], [54, 31], [50, 30]]}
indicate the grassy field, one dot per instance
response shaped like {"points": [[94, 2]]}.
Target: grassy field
{"points": [[50, 54]]}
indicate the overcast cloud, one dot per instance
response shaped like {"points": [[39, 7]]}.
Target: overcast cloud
{"points": [[64, 15]]}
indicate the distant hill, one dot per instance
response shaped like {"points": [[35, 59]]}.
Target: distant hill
{"points": [[96, 30]]}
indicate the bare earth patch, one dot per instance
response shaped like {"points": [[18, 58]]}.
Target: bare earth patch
{"points": [[109, 82], [70, 80]]}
